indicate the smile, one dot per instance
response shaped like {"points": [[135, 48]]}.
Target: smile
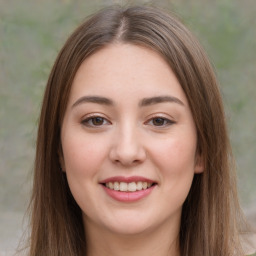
{"points": [[128, 187]]}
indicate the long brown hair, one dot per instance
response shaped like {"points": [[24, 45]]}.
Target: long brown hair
{"points": [[211, 213]]}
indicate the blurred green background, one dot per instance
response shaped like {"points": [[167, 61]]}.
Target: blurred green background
{"points": [[31, 34]]}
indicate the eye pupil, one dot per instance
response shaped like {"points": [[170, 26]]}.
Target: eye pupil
{"points": [[158, 121], [97, 121]]}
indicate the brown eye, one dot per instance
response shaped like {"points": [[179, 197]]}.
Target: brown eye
{"points": [[97, 120], [158, 121]]}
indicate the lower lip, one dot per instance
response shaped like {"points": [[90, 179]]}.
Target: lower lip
{"points": [[128, 196]]}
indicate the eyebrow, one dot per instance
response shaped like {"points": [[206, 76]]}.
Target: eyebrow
{"points": [[143, 103], [160, 99], [93, 99]]}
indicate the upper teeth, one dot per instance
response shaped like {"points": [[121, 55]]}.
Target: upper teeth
{"points": [[131, 186]]}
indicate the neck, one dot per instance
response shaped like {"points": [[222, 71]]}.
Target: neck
{"points": [[155, 242]]}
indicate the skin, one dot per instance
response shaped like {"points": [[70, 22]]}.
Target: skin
{"points": [[128, 140]]}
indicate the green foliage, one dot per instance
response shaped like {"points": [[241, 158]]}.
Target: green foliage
{"points": [[227, 31]]}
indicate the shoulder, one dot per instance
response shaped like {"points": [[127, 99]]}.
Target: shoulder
{"points": [[249, 244]]}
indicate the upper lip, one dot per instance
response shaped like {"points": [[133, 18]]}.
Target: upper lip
{"points": [[127, 179]]}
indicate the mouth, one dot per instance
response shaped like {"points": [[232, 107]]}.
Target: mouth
{"points": [[128, 189], [128, 186]]}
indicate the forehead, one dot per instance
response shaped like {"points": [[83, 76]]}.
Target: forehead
{"points": [[125, 70]]}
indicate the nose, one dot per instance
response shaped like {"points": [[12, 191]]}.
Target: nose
{"points": [[127, 148]]}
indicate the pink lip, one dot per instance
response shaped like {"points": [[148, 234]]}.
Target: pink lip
{"points": [[128, 196], [127, 179]]}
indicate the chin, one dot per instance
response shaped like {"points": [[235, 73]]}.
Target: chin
{"points": [[131, 225], [129, 229]]}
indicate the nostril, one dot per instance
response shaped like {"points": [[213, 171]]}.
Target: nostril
{"points": [[126, 162], [127, 151]]}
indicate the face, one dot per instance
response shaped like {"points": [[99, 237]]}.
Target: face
{"points": [[129, 141]]}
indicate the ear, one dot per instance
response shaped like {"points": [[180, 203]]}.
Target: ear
{"points": [[199, 164], [61, 158]]}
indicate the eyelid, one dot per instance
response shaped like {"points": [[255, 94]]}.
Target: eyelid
{"points": [[89, 117], [169, 120]]}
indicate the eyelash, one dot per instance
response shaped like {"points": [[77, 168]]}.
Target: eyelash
{"points": [[88, 121], [167, 122]]}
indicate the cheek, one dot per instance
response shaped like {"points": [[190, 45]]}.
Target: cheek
{"points": [[82, 155], [175, 154], [83, 158], [175, 159]]}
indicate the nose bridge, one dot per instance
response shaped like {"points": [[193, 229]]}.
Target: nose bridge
{"points": [[128, 146]]}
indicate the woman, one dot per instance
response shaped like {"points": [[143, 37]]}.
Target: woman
{"points": [[132, 154]]}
